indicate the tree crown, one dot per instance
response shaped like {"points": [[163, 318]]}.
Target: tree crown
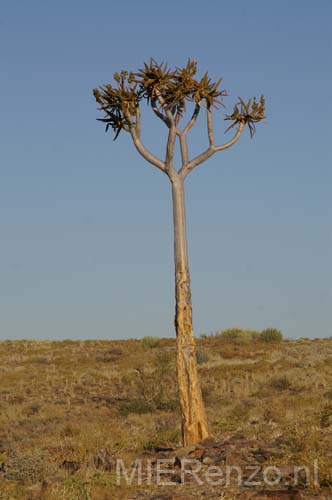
{"points": [[167, 91]]}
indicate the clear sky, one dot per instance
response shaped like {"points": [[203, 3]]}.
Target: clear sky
{"points": [[85, 224]]}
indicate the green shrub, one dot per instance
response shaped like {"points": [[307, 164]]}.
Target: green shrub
{"points": [[230, 334], [271, 335], [29, 468], [202, 356], [150, 342], [238, 335]]}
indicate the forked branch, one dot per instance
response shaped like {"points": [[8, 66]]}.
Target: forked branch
{"points": [[193, 119], [189, 166], [158, 113], [168, 91], [141, 148], [172, 131], [183, 135]]}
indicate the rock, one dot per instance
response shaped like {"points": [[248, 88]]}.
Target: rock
{"points": [[208, 442], [207, 460], [198, 453], [159, 449], [215, 456], [185, 451], [182, 453]]}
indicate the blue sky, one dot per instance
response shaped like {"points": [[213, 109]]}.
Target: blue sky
{"points": [[85, 224]]}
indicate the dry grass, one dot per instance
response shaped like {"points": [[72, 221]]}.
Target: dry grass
{"points": [[62, 404]]}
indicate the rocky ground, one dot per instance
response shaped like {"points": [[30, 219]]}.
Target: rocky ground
{"points": [[236, 468]]}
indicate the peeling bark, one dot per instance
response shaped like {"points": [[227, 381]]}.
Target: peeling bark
{"points": [[194, 421]]}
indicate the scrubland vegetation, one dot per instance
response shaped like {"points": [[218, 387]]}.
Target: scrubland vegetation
{"points": [[69, 408]]}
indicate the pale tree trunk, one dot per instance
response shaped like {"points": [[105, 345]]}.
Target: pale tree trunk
{"points": [[194, 421]]}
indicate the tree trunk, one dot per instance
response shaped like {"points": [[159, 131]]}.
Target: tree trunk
{"points": [[194, 422]]}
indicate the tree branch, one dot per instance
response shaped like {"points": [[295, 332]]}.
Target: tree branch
{"points": [[193, 119], [232, 141], [184, 171], [179, 114], [168, 112], [138, 122], [183, 135], [183, 148], [172, 132], [210, 127], [158, 113], [170, 146], [147, 155]]}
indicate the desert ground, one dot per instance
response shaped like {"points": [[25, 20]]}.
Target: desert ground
{"points": [[70, 410]]}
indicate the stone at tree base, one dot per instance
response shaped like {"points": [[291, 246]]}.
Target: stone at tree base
{"points": [[198, 453], [234, 451], [207, 460], [182, 453], [208, 442]]}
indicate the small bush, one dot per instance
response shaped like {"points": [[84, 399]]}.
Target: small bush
{"points": [[271, 335], [139, 406], [202, 356], [150, 342], [231, 334], [238, 335], [29, 468]]}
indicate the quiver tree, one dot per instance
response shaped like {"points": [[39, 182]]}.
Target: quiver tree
{"points": [[168, 92]]}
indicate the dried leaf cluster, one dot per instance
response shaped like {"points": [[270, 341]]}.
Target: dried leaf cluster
{"points": [[167, 91], [248, 113]]}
